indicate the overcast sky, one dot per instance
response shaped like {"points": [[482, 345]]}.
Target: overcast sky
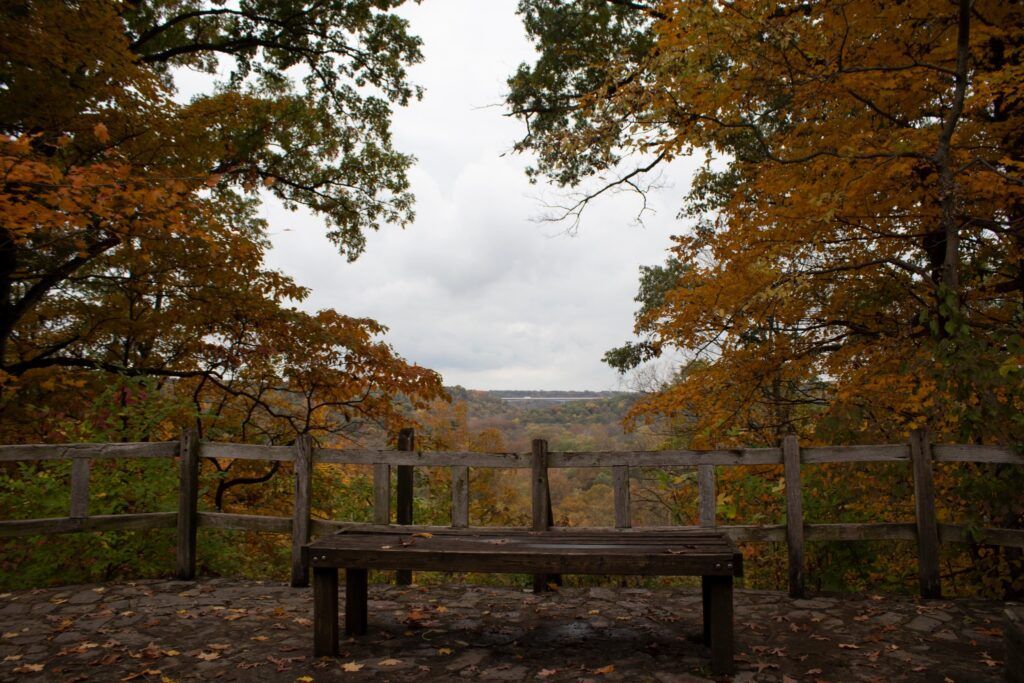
{"points": [[477, 288]]}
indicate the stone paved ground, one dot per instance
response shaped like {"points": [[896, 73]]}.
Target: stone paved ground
{"points": [[231, 630]]}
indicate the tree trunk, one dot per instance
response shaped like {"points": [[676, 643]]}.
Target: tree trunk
{"points": [[943, 245], [8, 264]]}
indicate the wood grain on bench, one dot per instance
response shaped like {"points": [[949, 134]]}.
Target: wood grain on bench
{"points": [[673, 553]]}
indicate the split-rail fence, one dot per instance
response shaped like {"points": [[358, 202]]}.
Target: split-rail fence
{"points": [[919, 453]]}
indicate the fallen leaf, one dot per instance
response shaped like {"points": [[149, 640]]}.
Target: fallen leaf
{"points": [[208, 656], [604, 669], [444, 650], [848, 646], [390, 661], [304, 679], [12, 658], [140, 674], [303, 621], [28, 669], [423, 534], [351, 666], [545, 673], [220, 647], [812, 672], [259, 638]]}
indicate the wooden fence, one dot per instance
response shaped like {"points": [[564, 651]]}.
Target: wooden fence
{"points": [[918, 452]]}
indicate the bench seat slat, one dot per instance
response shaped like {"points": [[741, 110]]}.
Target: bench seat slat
{"points": [[705, 554]]}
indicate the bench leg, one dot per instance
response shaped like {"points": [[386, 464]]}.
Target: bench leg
{"points": [[355, 602], [720, 608], [705, 589], [325, 612]]}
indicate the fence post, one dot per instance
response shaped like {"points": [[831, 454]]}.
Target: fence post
{"points": [[541, 496], [924, 511], [80, 488], [620, 477], [188, 502], [539, 485], [403, 511], [706, 494], [794, 514], [460, 496], [381, 493], [303, 507]]}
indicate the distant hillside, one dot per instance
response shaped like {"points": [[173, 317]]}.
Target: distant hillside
{"points": [[540, 393], [569, 420]]}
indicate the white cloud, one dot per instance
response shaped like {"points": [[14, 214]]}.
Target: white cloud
{"points": [[476, 288]]}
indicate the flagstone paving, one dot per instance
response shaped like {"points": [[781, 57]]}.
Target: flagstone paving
{"points": [[235, 630]]}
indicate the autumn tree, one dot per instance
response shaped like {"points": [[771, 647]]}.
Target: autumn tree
{"points": [[130, 243], [856, 258]]}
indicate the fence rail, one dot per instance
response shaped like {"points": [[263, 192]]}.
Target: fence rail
{"points": [[919, 453]]}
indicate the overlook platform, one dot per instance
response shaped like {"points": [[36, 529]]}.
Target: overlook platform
{"points": [[236, 630]]}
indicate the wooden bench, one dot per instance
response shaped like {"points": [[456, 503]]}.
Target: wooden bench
{"points": [[687, 552]]}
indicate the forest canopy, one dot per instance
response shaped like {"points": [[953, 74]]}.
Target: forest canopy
{"points": [[854, 268], [131, 245]]}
